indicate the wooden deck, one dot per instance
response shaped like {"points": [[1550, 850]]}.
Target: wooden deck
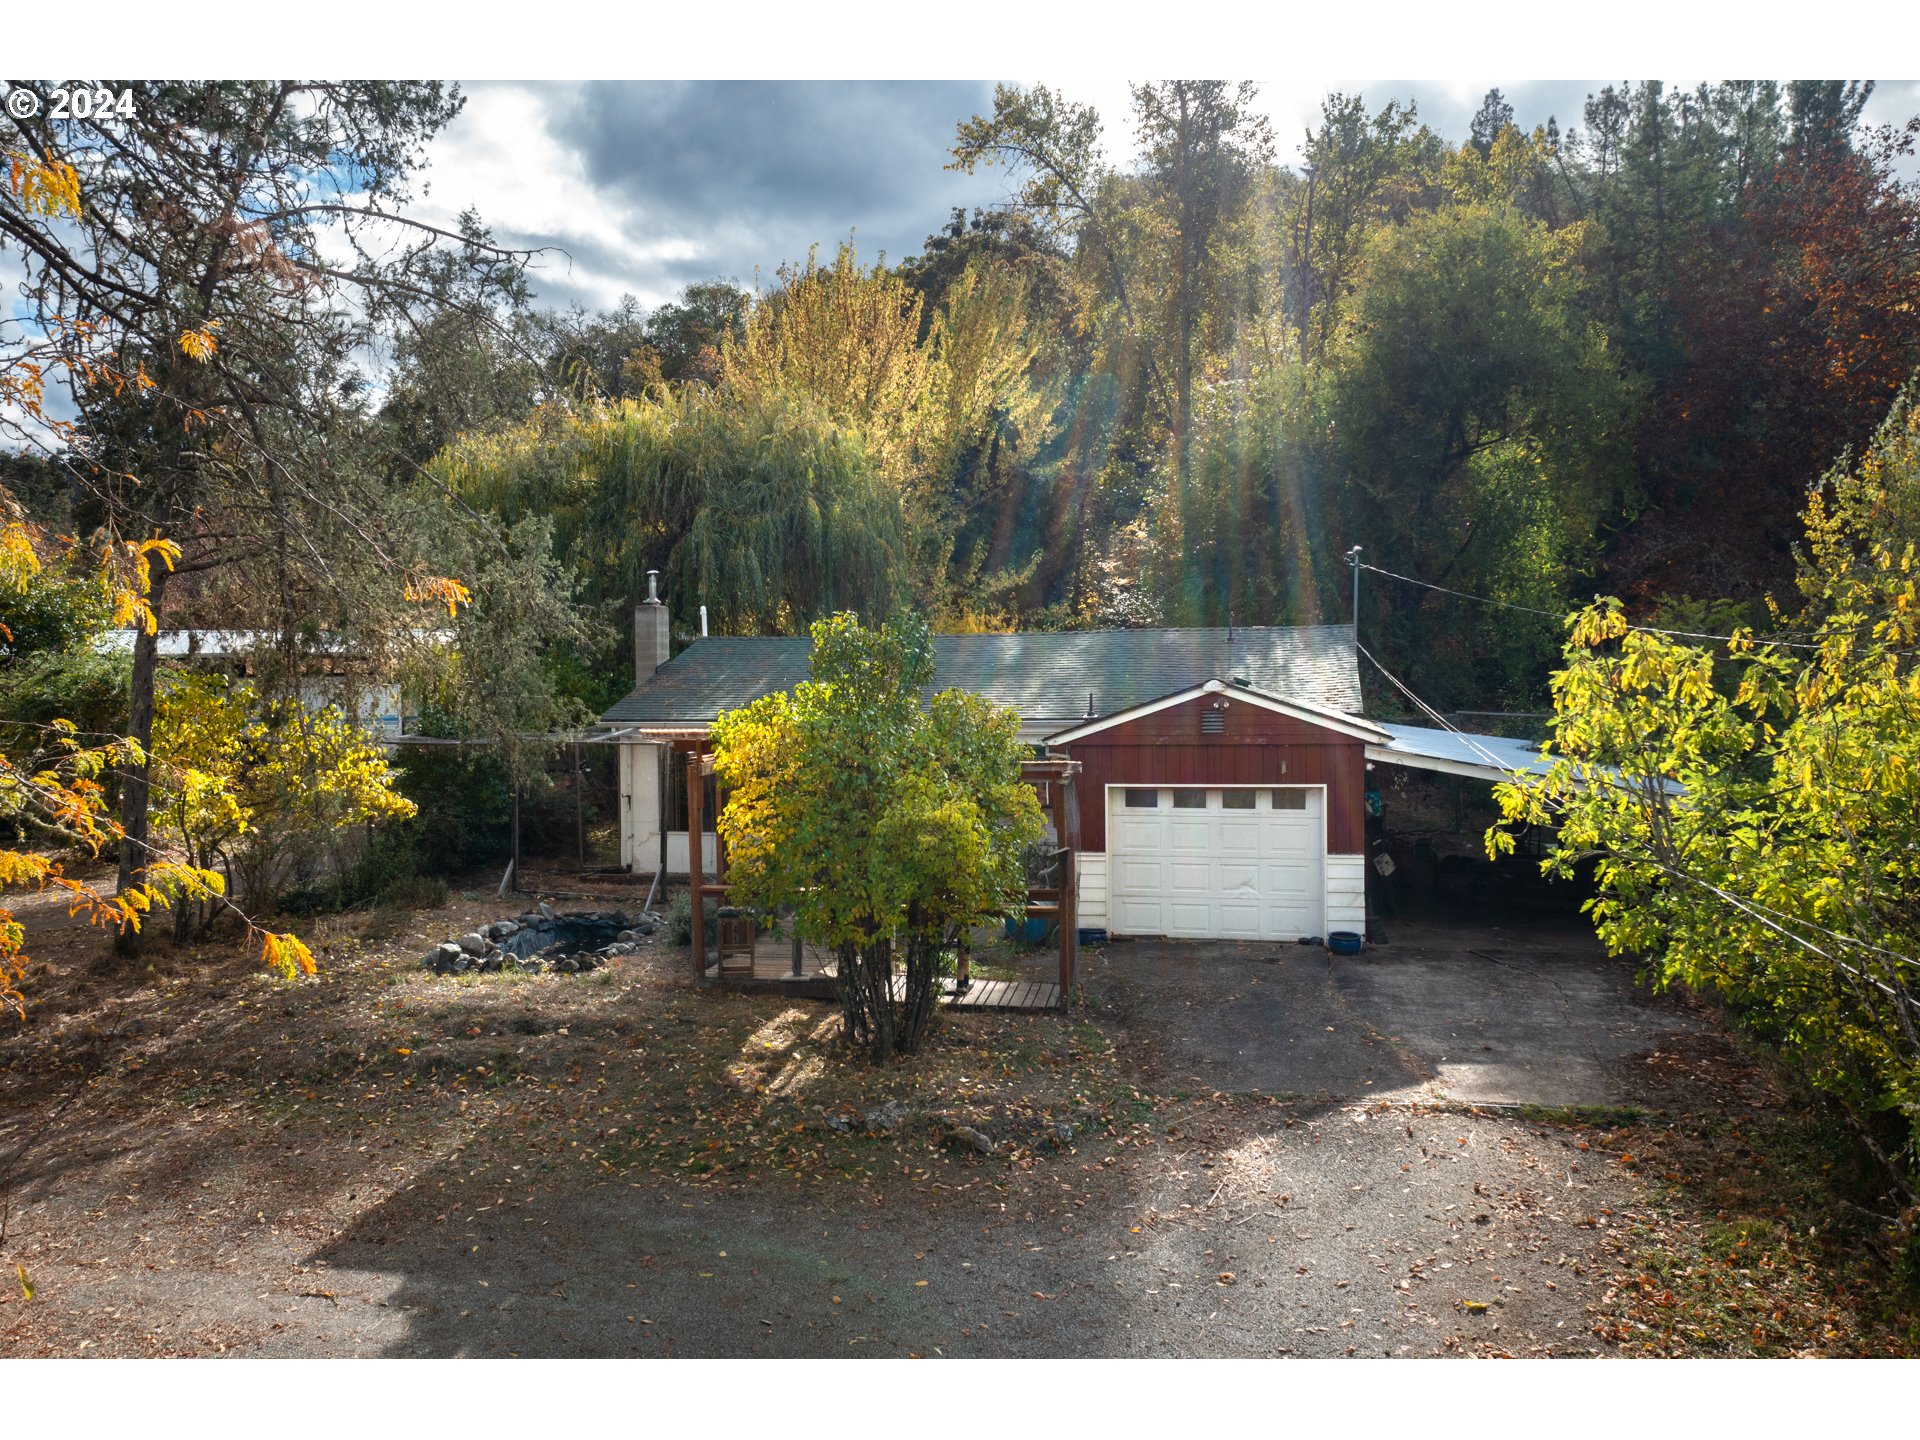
{"points": [[773, 972], [1005, 995]]}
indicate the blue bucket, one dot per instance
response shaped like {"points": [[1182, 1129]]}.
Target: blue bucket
{"points": [[1344, 942]]}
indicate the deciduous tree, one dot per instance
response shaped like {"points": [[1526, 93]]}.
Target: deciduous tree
{"points": [[890, 824], [1751, 809], [236, 248]]}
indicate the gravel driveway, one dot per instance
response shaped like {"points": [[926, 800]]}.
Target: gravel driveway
{"points": [[1304, 1176]]}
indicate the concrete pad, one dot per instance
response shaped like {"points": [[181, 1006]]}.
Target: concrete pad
{"points": [[1526, 1013]]}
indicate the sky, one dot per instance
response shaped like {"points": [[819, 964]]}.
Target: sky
{"points": [[644, 187]]}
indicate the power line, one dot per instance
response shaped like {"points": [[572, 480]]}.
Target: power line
{"points": [[1554, 615], [1558, 616], [1441, 720]]}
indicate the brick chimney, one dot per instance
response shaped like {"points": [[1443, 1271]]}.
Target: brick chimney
{"points": [[650, 643]]}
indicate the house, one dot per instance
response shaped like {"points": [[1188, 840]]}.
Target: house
{"points": [[330, 675], [1221, 777]]}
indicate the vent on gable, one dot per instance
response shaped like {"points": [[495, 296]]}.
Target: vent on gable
{"points": [[1213, 722]]}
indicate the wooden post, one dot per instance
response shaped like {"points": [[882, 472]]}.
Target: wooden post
{"points": [[696, 865], [1070, 882], [1067, 922], [1059, 789]]}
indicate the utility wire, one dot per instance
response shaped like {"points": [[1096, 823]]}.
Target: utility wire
{"points": [[1445, 724], [1558, 616]]}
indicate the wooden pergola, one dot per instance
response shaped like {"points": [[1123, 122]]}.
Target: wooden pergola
{"points": [[1052, 777]]}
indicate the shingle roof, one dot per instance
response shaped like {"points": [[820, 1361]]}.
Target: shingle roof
{"points": [[1044, 677]]}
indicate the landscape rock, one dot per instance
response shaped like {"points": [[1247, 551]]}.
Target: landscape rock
{"points": [[888, 1117], [969, 1138], [545, 939]]}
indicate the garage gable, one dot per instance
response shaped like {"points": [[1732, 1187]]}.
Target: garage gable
{"points": [[1219, 697], [1221, 736]]}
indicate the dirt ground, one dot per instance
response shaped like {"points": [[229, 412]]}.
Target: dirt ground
{"points": [[1467, 1142]]}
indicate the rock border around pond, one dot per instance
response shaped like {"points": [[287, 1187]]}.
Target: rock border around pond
{"points": [[542, 941]]}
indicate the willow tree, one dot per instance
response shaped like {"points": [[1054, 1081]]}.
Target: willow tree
{"points": [[847, 338], [765, 509], [953, 406], [891, 826]]}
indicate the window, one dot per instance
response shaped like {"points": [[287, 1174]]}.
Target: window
{"points": [[1213, 722], [1143, 799], [1236, 799], [1189, 799], [1289, 799]]}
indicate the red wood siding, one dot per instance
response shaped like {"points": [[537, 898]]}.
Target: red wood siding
{"points": [[1259, 747]]}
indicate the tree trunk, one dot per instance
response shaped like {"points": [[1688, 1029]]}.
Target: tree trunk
{"points": [[135, 790], [866, 998], [922, 992]]}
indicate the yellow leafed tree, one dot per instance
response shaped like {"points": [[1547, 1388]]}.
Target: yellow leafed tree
{"points": [[57, 786]]}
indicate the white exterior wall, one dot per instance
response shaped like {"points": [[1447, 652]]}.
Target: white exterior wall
{"points": [[1090, 906], [1346, 903], [640, 817]]}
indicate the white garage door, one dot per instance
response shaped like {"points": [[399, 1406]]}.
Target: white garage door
{"points": [[1242, 863]]}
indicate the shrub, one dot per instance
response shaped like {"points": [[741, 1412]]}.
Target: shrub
{"points": [[680, 919]]}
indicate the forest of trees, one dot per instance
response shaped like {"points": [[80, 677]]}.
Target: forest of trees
{"points": [[1530, 367]]}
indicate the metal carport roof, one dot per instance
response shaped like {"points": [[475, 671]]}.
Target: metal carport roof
{"points": [[1454, 752]]}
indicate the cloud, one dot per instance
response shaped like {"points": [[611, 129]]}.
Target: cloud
{"points": [[650, 186]]}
